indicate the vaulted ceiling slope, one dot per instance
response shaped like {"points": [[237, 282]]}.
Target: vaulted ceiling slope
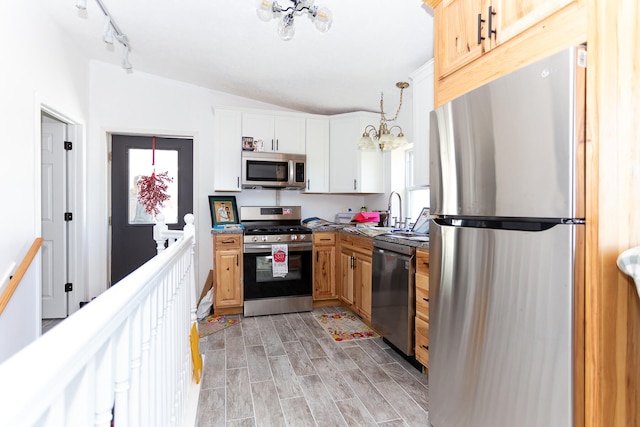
{"points": [[224, 46]]}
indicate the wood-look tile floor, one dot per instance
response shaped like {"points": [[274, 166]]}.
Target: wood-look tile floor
{"points": [[285, 370]]}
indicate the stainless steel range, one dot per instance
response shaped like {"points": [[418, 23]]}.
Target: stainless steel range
{"points": [[271, 288]]}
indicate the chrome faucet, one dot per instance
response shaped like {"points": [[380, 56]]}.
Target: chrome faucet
{"points": [[397, 223]]}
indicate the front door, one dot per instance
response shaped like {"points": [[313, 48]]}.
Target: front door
{"points": [[132, 241]]}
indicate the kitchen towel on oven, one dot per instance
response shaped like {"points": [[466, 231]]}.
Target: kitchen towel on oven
{"points": [[280, 261]]}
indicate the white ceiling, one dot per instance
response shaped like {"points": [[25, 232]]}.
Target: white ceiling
{"points": [[222, 45]]}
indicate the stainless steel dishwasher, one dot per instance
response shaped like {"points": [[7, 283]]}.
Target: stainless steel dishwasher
{"points": [[393, 303]]}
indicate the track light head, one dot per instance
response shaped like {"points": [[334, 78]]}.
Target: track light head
{"points": [[125, 58], [107, 35]]}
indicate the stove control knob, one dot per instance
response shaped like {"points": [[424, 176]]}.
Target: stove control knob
{"points": [[278, 238], [294, 237], [255, 238], [302, 237], [264, 238]]}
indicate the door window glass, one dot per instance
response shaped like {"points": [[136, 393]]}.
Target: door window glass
{"points": [[140, 165]]}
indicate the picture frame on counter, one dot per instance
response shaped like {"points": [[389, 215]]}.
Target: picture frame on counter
{"points": [[224, 211]]}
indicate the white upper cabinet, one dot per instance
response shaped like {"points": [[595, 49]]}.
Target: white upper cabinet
{"points": [[228, 149], [422, 107], [279, 133], [317, 155], [352, 170]]}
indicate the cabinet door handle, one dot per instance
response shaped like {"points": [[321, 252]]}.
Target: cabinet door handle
{"points": [[491, 14], [426, 299], [317, 253], [237, 260], [277, 145], [480, 21], [238, 184], [426, 347], [308, 184], [272, 145]]}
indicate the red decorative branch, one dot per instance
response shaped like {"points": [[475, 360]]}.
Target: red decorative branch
{"points": [[153, 191]]}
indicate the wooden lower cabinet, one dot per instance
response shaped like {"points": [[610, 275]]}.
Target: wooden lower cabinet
{"points": [[227, 272], [324, 266], [422, 307], [355, 274]]}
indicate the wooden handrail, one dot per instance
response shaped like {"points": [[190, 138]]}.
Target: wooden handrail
{"points": [[17, 277]]}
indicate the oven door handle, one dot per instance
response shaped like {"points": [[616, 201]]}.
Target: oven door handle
{"points": [[295, 247]]}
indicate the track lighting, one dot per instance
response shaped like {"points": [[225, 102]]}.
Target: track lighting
{"points": [[111, 31]]}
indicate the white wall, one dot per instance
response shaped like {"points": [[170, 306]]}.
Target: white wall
{"points": [[39, 65]]}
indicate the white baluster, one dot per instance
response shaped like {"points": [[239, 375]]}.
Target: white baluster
{"points": [[190, 230], [136, 355], [159, 232], [104, 384], [121, 376]]}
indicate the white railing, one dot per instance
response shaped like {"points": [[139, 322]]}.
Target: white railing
{"points": [[125, 354]]}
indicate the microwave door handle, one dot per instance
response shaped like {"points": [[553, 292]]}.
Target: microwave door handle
{"points": [[292, 172]]}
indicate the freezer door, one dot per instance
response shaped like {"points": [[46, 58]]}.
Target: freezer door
{"points": [[511, 148], [501, 326]]}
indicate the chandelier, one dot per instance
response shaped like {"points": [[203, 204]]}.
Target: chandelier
{"points": [[383, 138], [320, 16]]}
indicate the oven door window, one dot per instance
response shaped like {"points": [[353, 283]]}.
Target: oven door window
{"points": [[264, 269]]}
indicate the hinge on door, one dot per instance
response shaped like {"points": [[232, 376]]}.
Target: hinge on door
{"points": [[68, 287], [68, 216], [68, 145], [110, 156]]}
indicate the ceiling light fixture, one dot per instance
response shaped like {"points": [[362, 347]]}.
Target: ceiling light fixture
{"points": [[111, 31], [383, 138], [320, 16]]}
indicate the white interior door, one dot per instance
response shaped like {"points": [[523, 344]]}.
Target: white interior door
{"points": [[54, 226]]}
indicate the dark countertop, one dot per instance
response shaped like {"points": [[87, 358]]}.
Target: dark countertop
{"points": [[403, 240], [227, 231]]}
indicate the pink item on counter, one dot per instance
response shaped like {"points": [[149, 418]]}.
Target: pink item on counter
{"points": [[367, 217]]}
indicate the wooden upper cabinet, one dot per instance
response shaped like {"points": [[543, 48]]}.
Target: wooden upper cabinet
{"points": [[466, 29], [513, 17], [457, 34]]}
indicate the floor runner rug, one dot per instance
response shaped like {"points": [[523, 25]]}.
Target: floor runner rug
{"points": [[214, 323], [345, 326]]}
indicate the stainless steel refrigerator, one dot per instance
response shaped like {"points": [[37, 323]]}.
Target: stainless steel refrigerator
{"points": [[506, 248]]}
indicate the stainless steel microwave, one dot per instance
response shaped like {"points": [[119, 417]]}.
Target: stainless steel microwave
{"points": [[273, 170]]}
